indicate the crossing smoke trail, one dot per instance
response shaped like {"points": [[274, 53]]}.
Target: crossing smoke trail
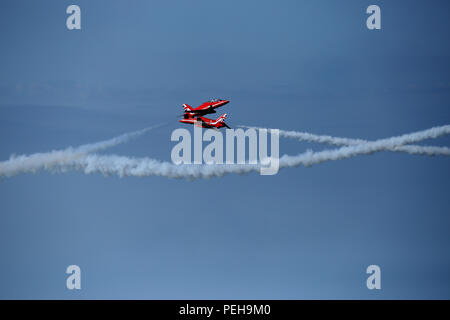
{"points": [[338, 141], [125, 166], [47, 160]]}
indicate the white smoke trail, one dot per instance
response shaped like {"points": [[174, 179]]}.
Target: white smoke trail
{"points": [[125, 166], [338, 141], [47, 160]]}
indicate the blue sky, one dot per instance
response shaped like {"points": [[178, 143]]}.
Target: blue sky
{"points": [[299, 65]]}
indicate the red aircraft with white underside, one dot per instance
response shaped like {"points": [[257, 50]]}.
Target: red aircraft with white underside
{"points": [[194, 115], [207, 123], [205, 108]]}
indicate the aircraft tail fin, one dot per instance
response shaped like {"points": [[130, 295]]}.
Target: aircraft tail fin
{"points": [[221, 120], [187, 107]]}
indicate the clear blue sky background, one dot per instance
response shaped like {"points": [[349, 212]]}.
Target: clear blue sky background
{"points": [[301, 65]]}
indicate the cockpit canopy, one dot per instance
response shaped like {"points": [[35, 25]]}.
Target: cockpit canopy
{"points": [[214, 100]]}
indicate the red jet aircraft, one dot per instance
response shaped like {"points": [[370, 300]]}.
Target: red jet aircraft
{"points": [[194, 115], [207, 123], [205, 108]]}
